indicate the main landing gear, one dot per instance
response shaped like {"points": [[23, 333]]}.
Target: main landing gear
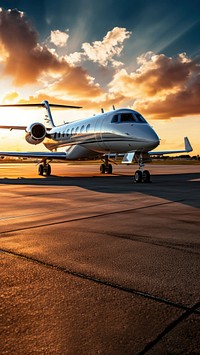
{"points": [[142, 175], [44, 168], [106, 167]]}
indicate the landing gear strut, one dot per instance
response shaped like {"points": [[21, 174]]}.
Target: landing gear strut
{"points": [[44, 168], [106, 167], [142, 175]]}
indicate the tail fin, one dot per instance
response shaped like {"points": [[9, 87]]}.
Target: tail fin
{"points": [[48, 117]]}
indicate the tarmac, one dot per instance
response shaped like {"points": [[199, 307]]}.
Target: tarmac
{"points": [[97, 264]]}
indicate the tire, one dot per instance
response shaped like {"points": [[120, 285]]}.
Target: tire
{"points": [[48, 170], [109, 169], [102, 168], [40, 169], [146, 176], [138, 176]]}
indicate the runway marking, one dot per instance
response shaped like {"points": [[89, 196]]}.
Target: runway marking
{"points": [[59, 210], [91, 216], [48, 212], [160, 242], [99, 281], [170, 327]]}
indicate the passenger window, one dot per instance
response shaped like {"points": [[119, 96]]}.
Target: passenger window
{"points": [[82, 129], [72, 130], [88, 127], [68, 131], [77, 129]]}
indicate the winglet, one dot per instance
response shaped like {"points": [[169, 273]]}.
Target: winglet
{"points": [[188, 146]]}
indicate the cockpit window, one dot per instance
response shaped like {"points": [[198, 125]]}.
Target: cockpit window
{"points": [[140, 118], [127, 117], [115, 119]]}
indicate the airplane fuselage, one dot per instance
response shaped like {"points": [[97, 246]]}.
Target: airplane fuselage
{"points": [[114, 132]]}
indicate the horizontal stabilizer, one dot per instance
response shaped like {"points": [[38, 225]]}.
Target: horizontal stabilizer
{"points": [[40, 104]]}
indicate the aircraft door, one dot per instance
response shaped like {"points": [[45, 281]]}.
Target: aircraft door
{"points": [[99, 132]]}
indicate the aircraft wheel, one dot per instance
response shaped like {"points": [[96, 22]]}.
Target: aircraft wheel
{"points": [[146, 176], [40, 169], [48, 169], [109, 169], [102, 168], [138, 176]]}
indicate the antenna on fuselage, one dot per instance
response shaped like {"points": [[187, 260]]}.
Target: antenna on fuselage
{"points": [[113, 107], [102, 110]]}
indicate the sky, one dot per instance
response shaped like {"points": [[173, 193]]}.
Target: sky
{"points": [[140, 54]]}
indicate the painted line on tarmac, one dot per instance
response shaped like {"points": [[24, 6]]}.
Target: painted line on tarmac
{"points": [[170, 327], [99, 281], [91, 216]]}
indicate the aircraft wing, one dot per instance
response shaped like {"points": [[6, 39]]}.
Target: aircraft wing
{"points": [[188, 148], [39, 155]]}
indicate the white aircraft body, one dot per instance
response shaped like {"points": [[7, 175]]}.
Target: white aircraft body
{"points": [[107, 136]]}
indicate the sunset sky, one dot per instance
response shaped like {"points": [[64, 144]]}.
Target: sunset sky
{"points": [[141, 54]]}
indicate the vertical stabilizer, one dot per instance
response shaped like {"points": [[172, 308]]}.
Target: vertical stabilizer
{"points": [[48, 118]]}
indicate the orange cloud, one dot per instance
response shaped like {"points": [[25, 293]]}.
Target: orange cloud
{"points": [[26, 59], [183, 102], [77, 83], [162, 86], [28, 62], [10, 97], [106, 100]]}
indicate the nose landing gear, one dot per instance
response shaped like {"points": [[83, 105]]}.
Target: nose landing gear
{"points": [[140, 174]]}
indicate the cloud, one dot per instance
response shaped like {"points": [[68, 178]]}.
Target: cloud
{"points": [[59, 38], [161, 86], [26, 59], [38, 63], [94, 103], [29, 62], [179, 104], [77, 83], [10, 97], [103, 52]]}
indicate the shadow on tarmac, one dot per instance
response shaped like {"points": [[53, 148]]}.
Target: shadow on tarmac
{"points": [[184, 188]]}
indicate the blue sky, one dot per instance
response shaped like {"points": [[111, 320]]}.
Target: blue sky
{"points": [[142, 54], [169, 26]]}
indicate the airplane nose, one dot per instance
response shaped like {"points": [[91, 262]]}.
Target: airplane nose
{"points": [[153, 139]]}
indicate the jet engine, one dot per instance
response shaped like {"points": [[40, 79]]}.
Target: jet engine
{"points": [[35, 133]]}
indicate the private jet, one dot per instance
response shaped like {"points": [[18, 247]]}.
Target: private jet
{"points": [[120, 134]]}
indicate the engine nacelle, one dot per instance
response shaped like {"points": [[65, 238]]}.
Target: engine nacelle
{"points": [[36, 133]]}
